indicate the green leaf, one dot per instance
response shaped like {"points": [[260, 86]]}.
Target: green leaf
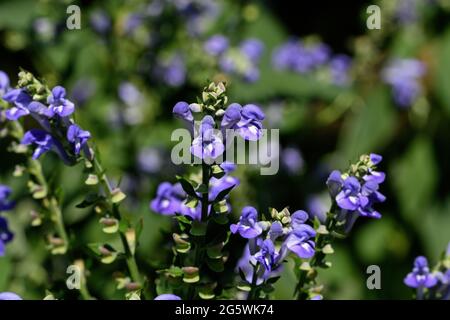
{"points": [[91, 199], [244, 286], [221, 207], [220, 218], [222, 194], [217, 171], [370, 128], [191, 202], [187, 186], [215, 252], [198, 228], [139, 227], [215, 265], [206, 294], [173, 271], [415, 179], [202, 188], [442, 78]]}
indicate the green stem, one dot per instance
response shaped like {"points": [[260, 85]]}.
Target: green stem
{"points": [[49, 201], [84, 290], [57, 217], [130, 258], [252, 295], [200, 244]]}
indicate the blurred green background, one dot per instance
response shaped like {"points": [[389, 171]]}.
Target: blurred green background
{"points": [[325, 126]]}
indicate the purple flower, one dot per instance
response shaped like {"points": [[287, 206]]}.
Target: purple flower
{"points": [[292, 160], [5, 235], [216, 45], [295, 56], [129, 94], [150, 160], [20, 100], [4, 83], [317, 207], [404, 77], [39, 138], [58, 104], [252, 48], [268, 257], [168, 199], [339, 69], [350, 197], [5, 204], [132, 22], [77, 137], [245, 265], [9, 295], [375, 158], [172, 71], [406, 11], [83, 90], [335, 182], [420, 277], [181, 110], [208, 143], [243, 61], [301, 239], [247, 120], [100, 21], [167, 296], [374, 175], [217, 185], [248, 226]]}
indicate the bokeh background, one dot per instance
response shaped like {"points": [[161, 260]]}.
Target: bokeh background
{"points": [[385, 91]]}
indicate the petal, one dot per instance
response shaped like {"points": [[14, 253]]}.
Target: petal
{"points": [[252, 111], [232, 116], [299, 217], [375, 158], [167, 296], [411, 280], [249, 212], [181, 110], [58, 92], [9, 296]]}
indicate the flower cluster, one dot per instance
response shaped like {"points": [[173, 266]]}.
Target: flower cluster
{"points": [[356, 191], [302, 58], [5, 204], [52, 110], [271, 241], [404, 75], [208, 143], [242, 61], [430, 284]]}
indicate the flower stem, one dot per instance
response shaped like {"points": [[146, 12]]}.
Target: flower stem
{"points": [[252, 295], [49, 201], [130, 258], [200, 243]]}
